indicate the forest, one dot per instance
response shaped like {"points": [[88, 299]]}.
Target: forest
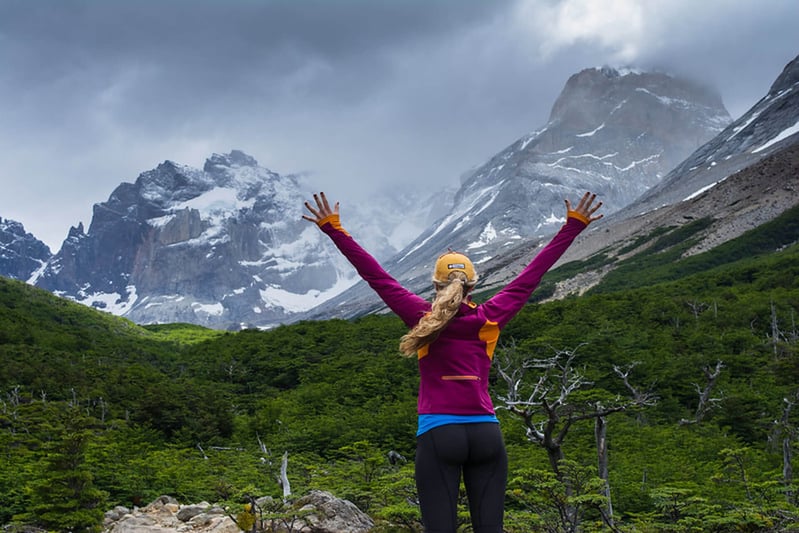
{"points": [[662, 399]]}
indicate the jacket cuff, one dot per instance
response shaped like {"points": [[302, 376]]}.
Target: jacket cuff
{"points": [[574, 214], [334, 220]]}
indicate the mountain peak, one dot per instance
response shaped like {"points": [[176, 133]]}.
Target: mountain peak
{"points": [[21, 254], [787, 79], [595, 93], [236, 158]]}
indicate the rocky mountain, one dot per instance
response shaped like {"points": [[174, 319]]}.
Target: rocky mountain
{"points": [[223, 247], [615, 132], [745, 176], [21, 254], [220, 246]]}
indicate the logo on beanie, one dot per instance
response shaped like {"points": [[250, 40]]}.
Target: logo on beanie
{"points": [[452, 266]]}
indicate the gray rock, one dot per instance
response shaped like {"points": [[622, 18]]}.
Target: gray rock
{"points": [[187, 512], [116, 513], [324, 513]]}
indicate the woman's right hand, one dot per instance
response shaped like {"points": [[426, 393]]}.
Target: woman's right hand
{"points": [[322, 210], [584, 210]]}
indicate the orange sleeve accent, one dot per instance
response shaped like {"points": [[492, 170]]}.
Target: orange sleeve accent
{"points": [[334, 220], [489, 334], [582, 218], [423, 351]]}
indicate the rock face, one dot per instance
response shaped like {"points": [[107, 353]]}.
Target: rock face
{"points": [[316, 512], [21, 254], [742, 178], [771, 124]]}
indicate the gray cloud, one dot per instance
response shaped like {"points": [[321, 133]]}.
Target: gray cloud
{"points": [[359, 94]]}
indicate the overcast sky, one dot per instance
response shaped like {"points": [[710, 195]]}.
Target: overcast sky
{"points": [[355, 94]]}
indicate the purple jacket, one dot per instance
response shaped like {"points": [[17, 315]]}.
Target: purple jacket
{"points": [[454, 368]]}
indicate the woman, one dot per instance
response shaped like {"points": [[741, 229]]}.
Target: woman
{"points": [[454, 340]]}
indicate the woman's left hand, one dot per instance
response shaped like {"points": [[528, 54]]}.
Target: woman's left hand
{"points": [[322, 210]]}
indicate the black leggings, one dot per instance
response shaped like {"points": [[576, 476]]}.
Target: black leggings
{"points": [[442, 454]]}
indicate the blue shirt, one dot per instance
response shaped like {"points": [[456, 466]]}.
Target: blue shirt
{"points": [[428, 422]]}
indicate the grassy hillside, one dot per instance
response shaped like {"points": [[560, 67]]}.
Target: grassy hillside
{"points": [[113, 413]]}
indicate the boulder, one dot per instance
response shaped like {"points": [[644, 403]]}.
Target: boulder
{"points": [[324, 513]]}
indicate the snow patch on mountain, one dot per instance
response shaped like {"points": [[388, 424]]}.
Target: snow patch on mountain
{"points": [[274, 296], [112, 302], [784, 134]]}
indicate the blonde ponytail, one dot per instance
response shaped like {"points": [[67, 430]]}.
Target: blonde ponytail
{"points": [[444, 307]]}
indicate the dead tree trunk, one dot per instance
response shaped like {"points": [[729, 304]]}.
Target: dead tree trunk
{"points": [[284, 478], [705, 400], [601, 436], [787, 469], [788, 431], [775, 329]]}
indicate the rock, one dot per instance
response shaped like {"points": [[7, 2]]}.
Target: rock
{"points": [[213, 523], [160, 502], [328, 514], [187, 512], [116, 513]]}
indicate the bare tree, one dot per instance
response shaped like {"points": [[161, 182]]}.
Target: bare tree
{"points": [[13, 401], [787, 449], [199, 447], [601, 436], [642, 398], [778, 335], [786, 432], [706, 402], [697, 308], [775, 328], [548, 409]]}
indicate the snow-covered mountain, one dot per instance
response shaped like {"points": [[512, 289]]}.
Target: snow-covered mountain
{"points": [[21, 254], [614, 132], [224, 247]]}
